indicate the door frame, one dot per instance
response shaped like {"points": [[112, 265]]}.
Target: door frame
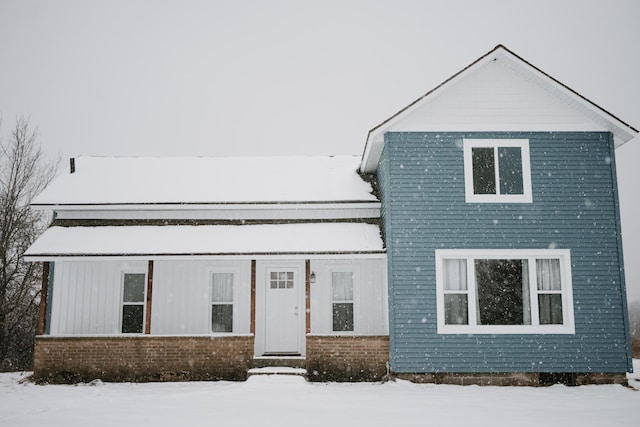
{"points": [[260, 307]]}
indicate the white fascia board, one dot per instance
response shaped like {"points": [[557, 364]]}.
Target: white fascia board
{"points": [[382, 255]]}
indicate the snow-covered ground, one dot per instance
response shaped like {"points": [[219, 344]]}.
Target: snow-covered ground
{"points": [[290, 401]]}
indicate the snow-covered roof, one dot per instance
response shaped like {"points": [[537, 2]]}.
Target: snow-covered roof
{"points": [[206, 180], [207, 240], [598, 117]]}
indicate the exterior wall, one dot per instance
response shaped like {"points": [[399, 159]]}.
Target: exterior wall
{"points": [[574, 207], [370, 296], [141, 358], [344, 358], [182, 296], [86, 296]]}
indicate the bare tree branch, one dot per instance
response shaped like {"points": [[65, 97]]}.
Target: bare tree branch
{"points": [[24, 172]]}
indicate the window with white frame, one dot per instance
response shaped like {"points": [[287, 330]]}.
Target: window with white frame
{"points": [[493, 291], [222, 302], [134, 291], [497, 171], [342, 301]]}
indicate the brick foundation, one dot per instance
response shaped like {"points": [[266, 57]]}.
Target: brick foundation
{"points": [[347, 358], [513, 378], [141, 358]]}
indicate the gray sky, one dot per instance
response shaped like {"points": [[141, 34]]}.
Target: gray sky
{"points": [[224, 78]]}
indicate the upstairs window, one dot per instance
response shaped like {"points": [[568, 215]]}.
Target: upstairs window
{"points": [[222, 302], [516, 291], [497, 171], [342, 301], [134, 291]]}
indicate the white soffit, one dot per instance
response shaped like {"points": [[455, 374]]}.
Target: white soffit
{"points": [[443, 108]]}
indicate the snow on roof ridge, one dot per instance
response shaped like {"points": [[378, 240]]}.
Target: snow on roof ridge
{"points": [[187, 179]]}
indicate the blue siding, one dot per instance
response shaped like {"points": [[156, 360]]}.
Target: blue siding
{"points": [[575, 206]]}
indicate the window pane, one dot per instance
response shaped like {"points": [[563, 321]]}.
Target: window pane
{"points": [[510, 170], [455, 309], [342, 317], [455, 274], [222, 287], [134, 284], [222, 318], [548, 273], [550, 306], [502, 290], [132, 319], [484, 172], [342, 286]]}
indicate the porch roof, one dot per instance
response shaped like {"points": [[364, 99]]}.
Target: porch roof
{"points": [[207, 240]]}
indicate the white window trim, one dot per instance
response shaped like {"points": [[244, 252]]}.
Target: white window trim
{"points": [[353, 301], [470, 197], [122, 303], [236, 275], [564, 255]]}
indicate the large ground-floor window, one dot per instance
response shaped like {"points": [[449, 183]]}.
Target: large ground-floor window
{"points": [[494, 291]]}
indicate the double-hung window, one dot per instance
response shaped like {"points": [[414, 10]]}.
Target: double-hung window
{"points": [[222, 302], [515, 291], [342, 301], [497, 171], [134, 291]]}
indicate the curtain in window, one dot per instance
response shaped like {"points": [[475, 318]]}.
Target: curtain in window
{"points": [[222, 287], [549, 287], [455, 303], [548, 271], [342, 306], [342, 283]]}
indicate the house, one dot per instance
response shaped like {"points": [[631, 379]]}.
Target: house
{"points": [[476, 240]]}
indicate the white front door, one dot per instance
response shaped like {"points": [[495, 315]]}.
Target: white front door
{"points": [[283, 312]]}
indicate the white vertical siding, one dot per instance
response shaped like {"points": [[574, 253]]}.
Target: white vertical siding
{"points": [[370, 296], [87, 296], [181, 302]]}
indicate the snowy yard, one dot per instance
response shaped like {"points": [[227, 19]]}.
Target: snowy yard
{"points": [[290, 401]]}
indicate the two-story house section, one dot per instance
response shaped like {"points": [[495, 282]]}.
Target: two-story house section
{"points": [[501, 222]]}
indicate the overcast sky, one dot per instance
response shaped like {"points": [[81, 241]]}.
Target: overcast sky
{"points": [[223, 78]]}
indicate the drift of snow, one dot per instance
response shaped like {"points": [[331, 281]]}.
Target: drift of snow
{"points": [[175, 180], [270, 400]]}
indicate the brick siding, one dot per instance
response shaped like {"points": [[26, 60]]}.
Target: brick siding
{"points": [[347, 358], [141, 358]]}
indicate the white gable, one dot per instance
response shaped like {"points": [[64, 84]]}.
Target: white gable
{"points": [[498, 92], [201, 180], [495, 97]]}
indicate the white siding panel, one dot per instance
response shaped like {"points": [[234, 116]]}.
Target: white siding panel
{"points": [[182, 296], [87, 296], [496, 97], [370, 295]]}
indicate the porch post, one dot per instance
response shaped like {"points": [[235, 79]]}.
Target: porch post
{"points": [[44, 296], [147, 327], [252, 324], [307, 294]]}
